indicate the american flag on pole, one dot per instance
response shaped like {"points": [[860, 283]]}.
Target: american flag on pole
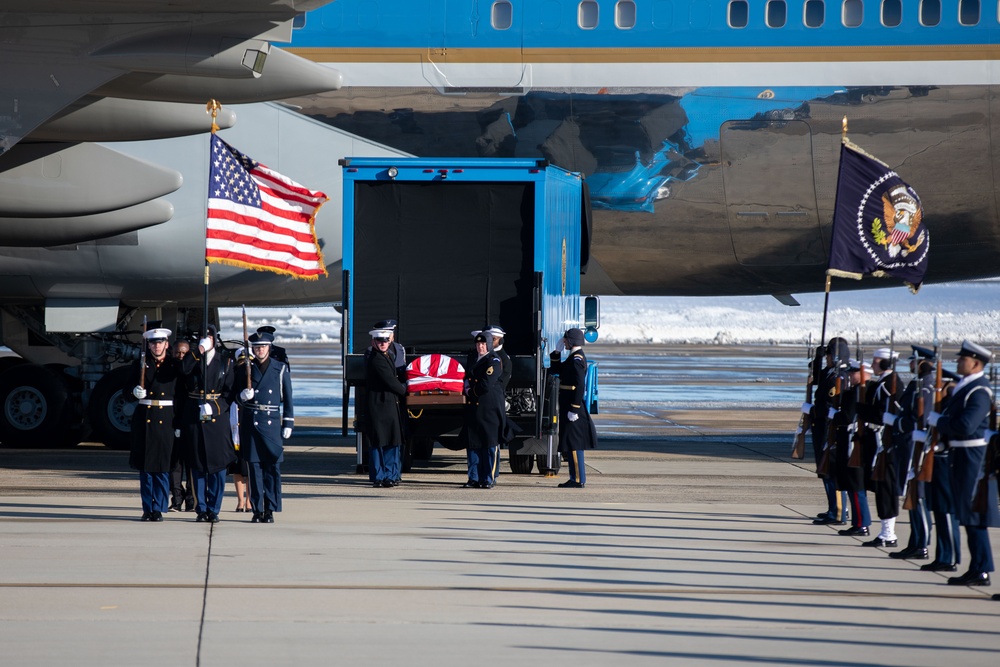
{"points": [[259, 219]]}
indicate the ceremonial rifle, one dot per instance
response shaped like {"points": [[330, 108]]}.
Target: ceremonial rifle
{"points": [[805, 422], [142, 356], [925, 473], [246, 347], [854, 457], [883, 438], [922, 463], [981, 497], [823, 468]]}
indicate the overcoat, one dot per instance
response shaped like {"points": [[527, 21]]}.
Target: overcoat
{"points": [[270, 410], [154, 419], [485, 415], [580, 434], [383, 392], [209, 443]]}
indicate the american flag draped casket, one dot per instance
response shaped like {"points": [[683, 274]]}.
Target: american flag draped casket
{"points": [[435, 373]]}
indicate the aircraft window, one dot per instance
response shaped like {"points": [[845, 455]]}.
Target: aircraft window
{"points": [[739, 14], [502, 15], [299, 21], [813, 14], [930, 13], [777, 13], [587, 14], [968, 12], [625, 14], [892, 13], [853, 13]]}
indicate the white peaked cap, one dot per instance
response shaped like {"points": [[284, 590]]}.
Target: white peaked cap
{"points": [[380, 333], [156, 334], [885, 353]]}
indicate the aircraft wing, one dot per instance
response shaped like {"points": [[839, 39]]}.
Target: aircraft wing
{"points": [[56, 52]]}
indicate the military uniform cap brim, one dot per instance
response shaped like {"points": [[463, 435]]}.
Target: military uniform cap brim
{"points": [[380, 333], [970, 349], [157, 334], [921, 352]]}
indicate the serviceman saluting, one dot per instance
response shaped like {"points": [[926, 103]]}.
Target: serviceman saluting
{"points": [[266, 420], [485, 417], [204, 422], [962, 425], [576, 430], [153, 423]]}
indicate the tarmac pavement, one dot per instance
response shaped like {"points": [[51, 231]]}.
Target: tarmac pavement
{"points": [[692, 544]]}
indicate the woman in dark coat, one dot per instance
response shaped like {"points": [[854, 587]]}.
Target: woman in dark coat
{"points": [[576, 429], [485, 414], [383, 421], [152, 437]]}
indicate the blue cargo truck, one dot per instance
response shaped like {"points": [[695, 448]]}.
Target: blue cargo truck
{"points": [[449, 246]]}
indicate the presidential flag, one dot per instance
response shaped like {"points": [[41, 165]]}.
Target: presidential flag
{"points": [[259, 219], [877, 223]]}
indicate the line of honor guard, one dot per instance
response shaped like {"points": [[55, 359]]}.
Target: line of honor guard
{"points": [[929, 443], [183, 403]]}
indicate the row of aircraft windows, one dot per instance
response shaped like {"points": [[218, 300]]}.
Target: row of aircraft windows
{"points": [[775, 13]]}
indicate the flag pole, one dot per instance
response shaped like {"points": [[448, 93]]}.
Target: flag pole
{"points": [[826, 296], [212, 108]]}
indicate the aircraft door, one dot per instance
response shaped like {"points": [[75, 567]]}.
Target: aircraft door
{"points": [[767, 169], [481, 49]]}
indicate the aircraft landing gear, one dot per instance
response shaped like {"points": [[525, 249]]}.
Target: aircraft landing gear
{"points": [[36, 408], [109, 413]]}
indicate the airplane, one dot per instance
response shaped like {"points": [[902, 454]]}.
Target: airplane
{"points": [[709, 132]]}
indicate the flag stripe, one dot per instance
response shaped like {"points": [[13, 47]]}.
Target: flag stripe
{"points": [[260, 219]]}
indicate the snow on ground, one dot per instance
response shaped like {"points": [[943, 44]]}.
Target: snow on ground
{"points": [[963, 310]]}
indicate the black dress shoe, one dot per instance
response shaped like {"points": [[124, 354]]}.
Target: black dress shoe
{"points": [[202, 517], [879, 542], [910, 554], [487, 485], [471, 484], [257, 516], [268, 517], [938, 566], [970, 579], [395, 482], [854, 531], [157, 516], [826, 521], [211, 517], [823, 515], [387, 484], [571, 484], [996, 597], [146, 516]]}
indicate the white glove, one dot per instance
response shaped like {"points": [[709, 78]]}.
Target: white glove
{"points": [[247, 394], [177, 433], [286, 433], [920, 437], [206, 410], [807, 408], [572, 416], [888, 418], [139, 392], [203, 344], [561, 345], [831, 413], [933, 417]]}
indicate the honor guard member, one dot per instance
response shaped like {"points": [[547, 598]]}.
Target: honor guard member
{"points": [[153, 422], [916, 402], [397, 355], [266, 420], [962, 426], [181, 480], [850, 480], [383, 423], [941, 498], [576, 430], [880, 475], [277, 352], [825, 401], [485, 417], [205, 424], [498, 336]]}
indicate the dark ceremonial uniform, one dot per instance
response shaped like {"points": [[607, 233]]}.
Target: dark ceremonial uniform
{"points": [[262, 419], [904, 428], [962, 425], [941, 501], [209, 441], [153, 423], [398, 357], [848, 479], [383, 420], [485, 418], [877, 442], [824, 398], [575, 437]]}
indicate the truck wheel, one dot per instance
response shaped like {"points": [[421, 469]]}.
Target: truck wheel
{"points": [[520, 464], [549, 472], [36, 410], [110, 414]]}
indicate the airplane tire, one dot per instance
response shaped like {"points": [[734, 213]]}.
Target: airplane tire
{"points": [[36, 409], [110, 414]]}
